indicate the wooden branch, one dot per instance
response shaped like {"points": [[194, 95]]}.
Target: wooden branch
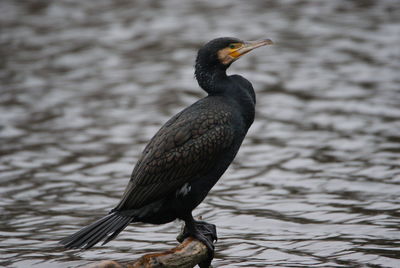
{"points": [[186, 255]]}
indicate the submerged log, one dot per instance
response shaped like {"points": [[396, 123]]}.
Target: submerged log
{"points": [[188, 254]]}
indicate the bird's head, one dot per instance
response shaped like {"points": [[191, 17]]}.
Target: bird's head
{"points": [[216, 56], [221, 52]]}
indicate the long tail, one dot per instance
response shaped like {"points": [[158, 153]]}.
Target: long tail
{"points": [[101, 229]]}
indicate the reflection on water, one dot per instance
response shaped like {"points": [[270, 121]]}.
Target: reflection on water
{"points": [[84, 86]]}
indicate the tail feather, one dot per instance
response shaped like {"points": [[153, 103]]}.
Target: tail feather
{"points": [[97, 234], [116, 232], [80, 238], [93, 239], [106, 228], [84, 231]]}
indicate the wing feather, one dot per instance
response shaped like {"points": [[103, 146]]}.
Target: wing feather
{"points": [[184, 149]]}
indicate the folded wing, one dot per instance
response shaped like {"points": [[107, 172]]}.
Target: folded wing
{"points": [[184, 149]]}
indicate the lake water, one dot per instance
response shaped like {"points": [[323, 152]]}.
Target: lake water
{"points": [[85, 84]]}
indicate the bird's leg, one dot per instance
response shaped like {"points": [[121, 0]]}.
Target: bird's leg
{"points": [[202, 231]]}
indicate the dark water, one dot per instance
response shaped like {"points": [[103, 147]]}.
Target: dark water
{"points": [[85, 84]]}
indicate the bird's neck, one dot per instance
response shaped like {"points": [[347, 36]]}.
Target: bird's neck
{"points": [[211, 79]]}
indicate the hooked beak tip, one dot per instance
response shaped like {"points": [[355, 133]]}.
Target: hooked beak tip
{"points": [[268, 42], [260, 43]]}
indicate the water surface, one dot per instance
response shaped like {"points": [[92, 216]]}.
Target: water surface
{"points": [[85, 85]]}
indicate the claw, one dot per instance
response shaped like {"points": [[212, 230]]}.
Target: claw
{"points": [[210, 246]]}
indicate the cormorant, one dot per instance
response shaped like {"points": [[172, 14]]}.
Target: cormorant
{"points": [[188, 155]]}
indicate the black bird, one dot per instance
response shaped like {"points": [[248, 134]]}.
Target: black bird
{"points": [[188, 155]]}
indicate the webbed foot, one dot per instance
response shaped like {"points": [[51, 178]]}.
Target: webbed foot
{"points": [[205, 233]]}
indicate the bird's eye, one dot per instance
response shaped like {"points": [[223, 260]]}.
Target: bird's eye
{"points": [[232, 46]]}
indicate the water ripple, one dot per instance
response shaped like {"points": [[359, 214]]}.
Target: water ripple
{"points": [[315, 184]]}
